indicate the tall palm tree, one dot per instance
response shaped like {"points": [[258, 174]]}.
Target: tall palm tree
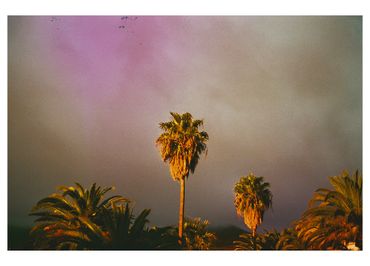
{"points": [[334, 217], [71, 219], [252, 199], [181, 145]]}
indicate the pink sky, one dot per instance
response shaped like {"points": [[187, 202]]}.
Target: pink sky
{"points": [[280, 96]]}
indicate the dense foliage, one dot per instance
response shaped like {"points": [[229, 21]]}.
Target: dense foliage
{"points": [[196, 235], [71, 219], [79, 218], [264, 241], [334, 217]]}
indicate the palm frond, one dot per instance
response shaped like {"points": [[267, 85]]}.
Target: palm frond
{"points": [[334, 217], [73, 216]]}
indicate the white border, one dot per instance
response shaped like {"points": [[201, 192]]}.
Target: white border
{"points": [[189, 7]]}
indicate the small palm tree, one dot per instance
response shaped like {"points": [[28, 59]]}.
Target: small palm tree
{"points": [[163, 238], [252, 199], [265, 241], [181, 145], [289, 241], [196, 235], [71, 219], [247, 242], [334, 217]]}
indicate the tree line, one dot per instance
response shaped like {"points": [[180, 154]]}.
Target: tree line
{"points": [[80, 218]]}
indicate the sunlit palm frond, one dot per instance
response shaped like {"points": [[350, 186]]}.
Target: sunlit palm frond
{"points": [[334, 217], [72, 216]]}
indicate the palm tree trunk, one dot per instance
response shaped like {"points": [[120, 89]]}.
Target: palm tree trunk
{"points": [[181, 210], [254, 233]]}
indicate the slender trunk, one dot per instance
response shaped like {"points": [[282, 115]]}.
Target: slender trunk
{"points": [[254, 234], [181, 210]]}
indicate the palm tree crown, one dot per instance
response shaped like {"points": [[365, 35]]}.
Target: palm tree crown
{"points": [[181, 144], [71, 219], [252, 199]]}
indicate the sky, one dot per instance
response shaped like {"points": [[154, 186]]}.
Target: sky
{"points": [[280, 97]]}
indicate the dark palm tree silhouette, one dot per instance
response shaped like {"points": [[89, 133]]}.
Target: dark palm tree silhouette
{"points": [[124, 230]]}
